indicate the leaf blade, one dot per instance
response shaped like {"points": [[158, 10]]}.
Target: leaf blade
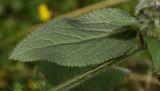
{"points": [[154, 50], [112, 76], [71, 42], [105, 81]]}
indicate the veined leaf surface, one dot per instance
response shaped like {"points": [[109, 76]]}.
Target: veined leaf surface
{"points": [[89, 39]]}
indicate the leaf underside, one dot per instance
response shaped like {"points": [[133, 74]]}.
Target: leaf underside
{"points": [[89, 39], [105, 81], [154, 49]]}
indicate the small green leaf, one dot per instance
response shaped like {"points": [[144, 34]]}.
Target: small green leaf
{"points": [[154, 49], [90, 39], [17, 86]]}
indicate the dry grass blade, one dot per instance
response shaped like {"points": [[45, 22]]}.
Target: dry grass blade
{"points": [[103, 4]]}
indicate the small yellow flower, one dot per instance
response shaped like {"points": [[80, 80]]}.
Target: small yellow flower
{"points": [[44, 13]]}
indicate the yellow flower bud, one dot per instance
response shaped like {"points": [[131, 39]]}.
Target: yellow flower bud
{"points": [[44, 13]]}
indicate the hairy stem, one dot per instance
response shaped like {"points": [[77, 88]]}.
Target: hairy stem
{"points": [[80, 78]]}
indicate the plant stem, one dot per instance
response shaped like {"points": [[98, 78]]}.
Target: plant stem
{"points": [[102, 4], [142, 78], [80, 78]]}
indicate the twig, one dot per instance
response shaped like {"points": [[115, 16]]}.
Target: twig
{"points": [[148, 80], [99, 5], [142, 78]]}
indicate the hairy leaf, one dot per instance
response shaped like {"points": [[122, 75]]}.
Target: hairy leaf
{"points": [[143, 4], [106, 20], [154, 49], [90, 39], [103, 82]]}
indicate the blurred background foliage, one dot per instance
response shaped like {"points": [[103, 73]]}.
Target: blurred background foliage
{"points": [[19, 17]]}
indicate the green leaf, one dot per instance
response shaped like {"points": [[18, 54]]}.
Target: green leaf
{"points": [[90, 39], [105, 81], [59, 74], [154, 49]]}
